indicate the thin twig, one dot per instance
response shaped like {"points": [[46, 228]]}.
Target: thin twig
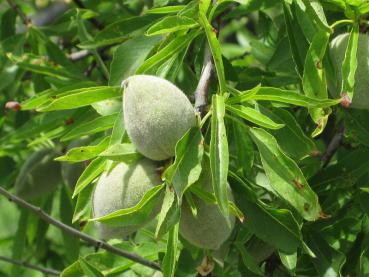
{"points": [[202, 89], [333, 145], [94, 21], [26, 21], [70, 230], [31, 266]]}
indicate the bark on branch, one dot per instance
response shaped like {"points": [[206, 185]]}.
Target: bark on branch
{"points": [[70, 230], [202, 89], [31, 266]]}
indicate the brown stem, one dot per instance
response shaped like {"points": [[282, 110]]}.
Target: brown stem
{"points": [[70, 230], [26, 21], [31, 266], [333, 145], [202, 89]]}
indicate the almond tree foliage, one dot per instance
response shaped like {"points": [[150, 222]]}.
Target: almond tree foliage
{"points": [[270, 124]]}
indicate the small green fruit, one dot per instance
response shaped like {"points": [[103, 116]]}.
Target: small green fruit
{"points": [[156, 115], [209, 228], [121, 188], [39, 175], [361, 89]]}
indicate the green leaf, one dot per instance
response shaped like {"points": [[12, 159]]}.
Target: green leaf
{"points": [[173, 47], [204, 6], [326, 256], [248, 260], [81, 97], [215, 51], [254, 116], [171, 24], [349, 64], [89, 269], [314, 78], [125, 152], [243, 147], [45, 96], [89, 174], [136, 214], [166, 10], [285, 176], [169, 214], [186, 168], [83, 207], [219, 156], [172, 253], [298, 43], [40, 65], [288, 260], [99, 124], [120, 31], [357, 124], [209, 198], [83, 153], [129, 56], [278, 227], [119, 129], [283, 96], [291, 138]]}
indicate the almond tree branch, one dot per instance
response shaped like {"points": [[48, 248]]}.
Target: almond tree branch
{"points": [[202, 89], [31, 266], [70, 230], [26, 21]]}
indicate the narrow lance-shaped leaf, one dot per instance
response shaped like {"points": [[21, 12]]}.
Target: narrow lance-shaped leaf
{"points": [[81, 97], [89, 269], [125, 152], [119, 129], [215, 50], [278, 227], [186, 168], [166, 10], [314, 79], [129, 56], [171, 24], [83, 207], [283, 96], [350, 63], [285, 176], [89, 174], [83, 153], [254, 116], [99, 124], [173, 47], [296, 38], [219, 156], [169, 214], [172, 253], [136, 214]]}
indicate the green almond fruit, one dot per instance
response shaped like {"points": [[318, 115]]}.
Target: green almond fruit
{"points": [[39, 175], [122, 188], [156, 115], [209, 229]]}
